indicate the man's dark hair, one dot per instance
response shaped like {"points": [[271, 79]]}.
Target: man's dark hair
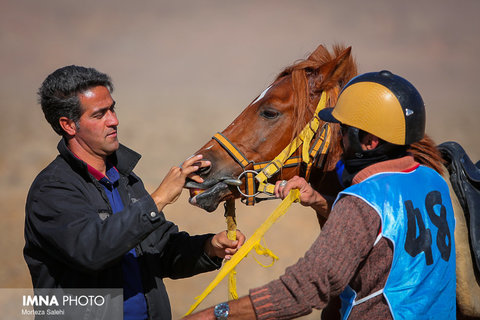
{"points": [[58, 94]]}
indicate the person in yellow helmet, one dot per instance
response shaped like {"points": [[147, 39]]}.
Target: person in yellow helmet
{"points": [[387, 249]]}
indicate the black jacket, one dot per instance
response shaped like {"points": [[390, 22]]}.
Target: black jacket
{"points": [[72, 239]]}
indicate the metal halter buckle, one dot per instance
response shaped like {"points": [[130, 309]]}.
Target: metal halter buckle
{"points": [[238, 187]]}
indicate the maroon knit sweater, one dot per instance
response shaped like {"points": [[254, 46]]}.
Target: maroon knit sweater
{"points": [[344, 253]]}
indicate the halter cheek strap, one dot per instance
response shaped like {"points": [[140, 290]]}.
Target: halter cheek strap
{"points": [[236, 154], [240, 158]]}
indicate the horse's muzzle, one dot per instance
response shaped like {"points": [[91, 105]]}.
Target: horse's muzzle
{"points": [[208, 199]]}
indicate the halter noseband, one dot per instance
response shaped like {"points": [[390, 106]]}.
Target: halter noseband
{"points": [[262, 171]]}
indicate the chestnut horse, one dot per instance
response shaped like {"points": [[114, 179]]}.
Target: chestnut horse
{"points": [[278, 115]]}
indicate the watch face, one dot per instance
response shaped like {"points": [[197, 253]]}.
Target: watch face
{"points": [[221, 311]]}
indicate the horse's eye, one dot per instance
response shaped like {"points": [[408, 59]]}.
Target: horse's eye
{"points": [[270, 114]]}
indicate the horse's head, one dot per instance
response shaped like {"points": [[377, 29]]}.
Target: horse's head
{"points": [[268, 125]]}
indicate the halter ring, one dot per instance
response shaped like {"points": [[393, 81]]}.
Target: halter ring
{"points": [[238, 187]]}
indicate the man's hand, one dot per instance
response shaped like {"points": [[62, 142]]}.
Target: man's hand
{"points": [[308, 196], [220, 246], [172, 185]]}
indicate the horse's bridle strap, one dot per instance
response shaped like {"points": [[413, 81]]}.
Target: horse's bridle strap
{"points": [[238, 156], [319, 150], [291, 162], [231, 149], [322, 142]]}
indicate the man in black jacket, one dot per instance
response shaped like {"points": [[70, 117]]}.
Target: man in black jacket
{"points": [[90, 223]]}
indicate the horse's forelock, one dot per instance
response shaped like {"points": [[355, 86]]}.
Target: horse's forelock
{"points": [[303, 70], [302, 73]]}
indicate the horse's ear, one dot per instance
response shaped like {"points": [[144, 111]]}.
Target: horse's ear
{"points": [[338, 71], [318, 53]]}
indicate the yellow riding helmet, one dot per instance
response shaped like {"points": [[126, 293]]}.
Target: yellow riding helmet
{"points": [[382, 104]]}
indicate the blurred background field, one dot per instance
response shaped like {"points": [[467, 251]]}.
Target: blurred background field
{"points": [[184, 70]]}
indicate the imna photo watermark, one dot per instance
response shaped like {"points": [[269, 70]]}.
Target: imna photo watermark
{"points": [[54, 306], [104, 304]]}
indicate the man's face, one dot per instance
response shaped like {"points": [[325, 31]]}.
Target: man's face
{"points": [[356, 141], [97, 128]]}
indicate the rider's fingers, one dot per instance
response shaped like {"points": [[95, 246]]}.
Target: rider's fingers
{"points": [[286, 190], [277, 189]]}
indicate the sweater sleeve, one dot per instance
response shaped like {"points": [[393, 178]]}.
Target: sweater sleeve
{"points": [[327, 267]]}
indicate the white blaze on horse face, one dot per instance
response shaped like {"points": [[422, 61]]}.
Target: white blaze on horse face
{"points": [[262, 95]]}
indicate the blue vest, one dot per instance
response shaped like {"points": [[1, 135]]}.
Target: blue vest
{"points": [[417, 217]]}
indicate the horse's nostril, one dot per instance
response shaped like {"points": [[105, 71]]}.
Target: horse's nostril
{"points": [[204, 170]]}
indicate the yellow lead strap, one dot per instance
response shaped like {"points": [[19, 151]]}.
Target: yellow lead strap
{"points": [[231, 235], [251, 243]]}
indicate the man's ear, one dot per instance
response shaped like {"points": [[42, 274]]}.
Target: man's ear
{"points": [[68, 125], [370, 141]]}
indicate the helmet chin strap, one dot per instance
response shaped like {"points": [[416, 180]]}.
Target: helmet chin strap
{"points": [[355, 150]]}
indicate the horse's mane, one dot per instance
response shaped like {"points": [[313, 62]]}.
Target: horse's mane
{"points": [[425, 152], [303, 73]]}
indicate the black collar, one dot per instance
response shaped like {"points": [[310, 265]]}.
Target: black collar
{"points": [[124, 159]]}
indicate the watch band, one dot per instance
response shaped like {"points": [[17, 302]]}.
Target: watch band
{"points": [[221, 311]]}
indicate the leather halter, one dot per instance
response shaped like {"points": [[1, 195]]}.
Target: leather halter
{"points": [[310, 154]]}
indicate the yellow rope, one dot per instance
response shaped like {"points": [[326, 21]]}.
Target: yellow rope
{"points": [[251, 243], [232, 235], [264, 251]]}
